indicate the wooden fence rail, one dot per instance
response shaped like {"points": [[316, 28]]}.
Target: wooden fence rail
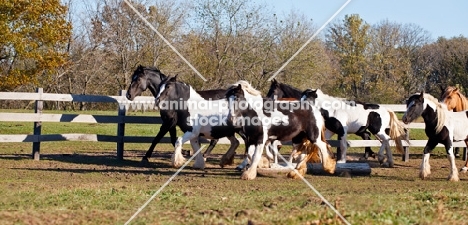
{"points": [[121, 119]]}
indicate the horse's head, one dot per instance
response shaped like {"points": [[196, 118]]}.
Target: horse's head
{"points": [[309, 95], [142, 79], [167, 89], [138, 84], [236, 102], [275, 90], [414, 108], [453, 99]]}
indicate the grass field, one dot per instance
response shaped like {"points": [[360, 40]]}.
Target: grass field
{"points": [[83, 183]]}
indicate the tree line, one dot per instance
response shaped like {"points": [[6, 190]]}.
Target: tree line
{"points": [[54, 45]]}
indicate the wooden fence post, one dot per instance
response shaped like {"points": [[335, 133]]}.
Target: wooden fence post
{"points": [[406, 148], [121, 128], [36, 147]]}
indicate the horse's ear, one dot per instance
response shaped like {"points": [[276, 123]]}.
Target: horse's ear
{"points": [[239, 87], [274, 81], [421, 96], [172, 78], [140, 67]]}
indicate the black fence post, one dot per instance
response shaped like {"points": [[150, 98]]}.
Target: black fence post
{"points": [[36, 147], [121, 127]]}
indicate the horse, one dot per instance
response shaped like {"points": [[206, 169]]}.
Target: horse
{"points": [[265, 120], [442, 126], [280, 90], [455, 101], [342, 117], [198, 117], [145, 78]]}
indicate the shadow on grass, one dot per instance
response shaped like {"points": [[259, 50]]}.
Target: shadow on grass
{"points": [[106, 162]]}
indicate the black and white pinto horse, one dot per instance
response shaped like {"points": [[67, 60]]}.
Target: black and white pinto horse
{"points": [[280, 91], [261, 122], [145, 78], [200, 117], [442, 126], [342, 117]]}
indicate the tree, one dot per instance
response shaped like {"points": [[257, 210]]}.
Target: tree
{"points": [[393, 49], [349, 41], [33, 41]]}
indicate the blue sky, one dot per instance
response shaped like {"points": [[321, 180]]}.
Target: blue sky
{"points": [[446, 18]]}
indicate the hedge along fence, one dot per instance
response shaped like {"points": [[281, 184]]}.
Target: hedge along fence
{"points": [[121, 119]]}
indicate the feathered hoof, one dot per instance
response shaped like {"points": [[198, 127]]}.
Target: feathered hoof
{"points": [[226, 161], [381, 159], [423, 176], [249, 174], [199, 163], [464, 169], [294, 175], [453, 178], [178, 162], [387, 164]]}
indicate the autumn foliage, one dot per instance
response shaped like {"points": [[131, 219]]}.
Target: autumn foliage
{"points": [[33, 40]]}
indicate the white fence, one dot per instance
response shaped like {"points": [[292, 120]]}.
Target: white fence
{"points": [[121, 119]]}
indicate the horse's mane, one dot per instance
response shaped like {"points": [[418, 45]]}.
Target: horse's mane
{"points": [[463, 103], [290, 90], [247, 87], [327, 97], [440, 109]]}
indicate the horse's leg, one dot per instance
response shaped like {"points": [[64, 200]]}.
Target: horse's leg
{"points": [[384, 140], [199, 160], [301, 167], [177, 158], [465, 168], [295, 154], [457, 152], [453, 176], [328, 163], [251, 172], [213, 143], [173, 134], [425, 169], [247, 157], [341, 151], [165, 127], [368, 151], [276, 148], [228, 157]]}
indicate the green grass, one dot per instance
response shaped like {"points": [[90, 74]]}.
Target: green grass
{"points": [[83, 183]]}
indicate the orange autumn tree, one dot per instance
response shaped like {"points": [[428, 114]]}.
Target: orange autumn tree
{"points": [[33, 40]]}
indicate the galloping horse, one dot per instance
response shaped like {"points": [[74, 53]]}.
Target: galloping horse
{"points": [[280, 90], [198, 117], [442, 126], [455, 101], [342, 117], [285, 121], [144, 78]]}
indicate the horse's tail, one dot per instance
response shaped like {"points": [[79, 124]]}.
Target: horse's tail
{"points": [[397, 131]]}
